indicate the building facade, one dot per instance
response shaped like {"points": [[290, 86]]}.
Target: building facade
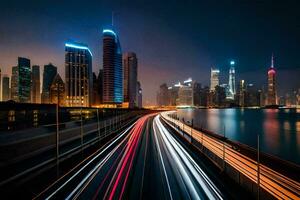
{"points": [[139, 96], [163, 96], [24, 83], [112, 68], [100, 86], [35, 85], [242, 92], [96, 92], [57, 91], [214, 78], [272, 93], [130, 78], [231, 82], [78, 73], [14, 84], [5, 88], [49, 73]]}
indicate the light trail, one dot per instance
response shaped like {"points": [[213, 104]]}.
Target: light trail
{"points": [[275, 183], [190, 171], [81, 169], [162, 162]]}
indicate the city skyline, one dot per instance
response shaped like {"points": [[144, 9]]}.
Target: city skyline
{"points": [[200, 55], [149, 99]]}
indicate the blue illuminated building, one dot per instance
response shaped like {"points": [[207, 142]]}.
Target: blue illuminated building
{"points": [[112, 68], [78, 73]]}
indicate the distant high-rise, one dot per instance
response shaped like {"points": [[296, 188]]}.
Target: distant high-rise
{"points": [[139, 96], [5, 88], [96, 92], [100, 85], [112, 68], [214, 78], [50, 72], [14, 95], [57, 91], [231, 82], [185, 93], [130, 78], [35, 85], [272, 93], [242, 90], [24, 83], [163, 96], [79, 77]]}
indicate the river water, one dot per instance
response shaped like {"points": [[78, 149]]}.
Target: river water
{"points": [[279, 129]]}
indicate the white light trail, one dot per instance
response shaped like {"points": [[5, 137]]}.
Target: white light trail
{"points": [[185, 161]]}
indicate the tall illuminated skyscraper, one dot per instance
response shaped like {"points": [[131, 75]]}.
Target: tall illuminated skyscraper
{"points": [[231, 83], [35, 85], [79, 77], [24, 83], [112, 68], [272, 93], [214, 78], [130, 78]]}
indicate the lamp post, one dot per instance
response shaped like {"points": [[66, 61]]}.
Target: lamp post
{"points": [[258, 167], [57, 131]]}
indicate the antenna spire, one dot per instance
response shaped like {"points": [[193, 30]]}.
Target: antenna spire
{"points": [[272, 61]]}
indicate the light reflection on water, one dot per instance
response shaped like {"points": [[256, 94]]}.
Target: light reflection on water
{"points": [[279, 129]]}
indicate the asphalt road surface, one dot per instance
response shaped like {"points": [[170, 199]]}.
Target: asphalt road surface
{"points": [[144, 162]]}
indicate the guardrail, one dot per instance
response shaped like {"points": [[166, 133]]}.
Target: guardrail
{"points": [[278, 185]]}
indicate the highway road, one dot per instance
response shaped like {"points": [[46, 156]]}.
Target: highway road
{"points": [[143, 162]]}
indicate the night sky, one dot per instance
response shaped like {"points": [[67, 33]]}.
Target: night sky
{"points": [[173, 40]]}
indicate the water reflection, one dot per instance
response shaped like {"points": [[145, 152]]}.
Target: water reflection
{"points": [[271, 134], [279, 129]]}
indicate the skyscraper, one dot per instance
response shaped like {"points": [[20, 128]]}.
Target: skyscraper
{"points": [[231, 82], [112, 68], [79, 78], [272, 94], [57, 91], [163, 96], [5, 88], [185, 93], [100, 85], [130, 78], [242, 90], [14, 84], [96, 92], [139, 95], [49, 73], [24, 83], [214, 78], [35, 87]]}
